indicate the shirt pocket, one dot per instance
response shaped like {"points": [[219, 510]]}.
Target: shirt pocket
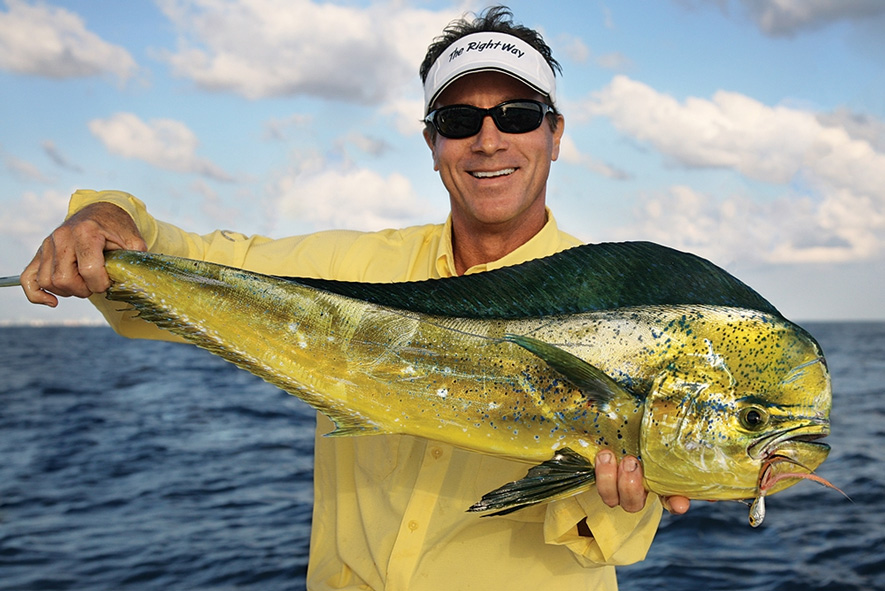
{"points": [[377, 457]]}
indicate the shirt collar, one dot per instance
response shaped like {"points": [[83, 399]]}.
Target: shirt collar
{"points": [[546, 242]]}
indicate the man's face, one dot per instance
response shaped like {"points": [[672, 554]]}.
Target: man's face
{"points": [[494, 179]]}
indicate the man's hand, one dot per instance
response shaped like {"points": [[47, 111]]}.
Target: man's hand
{"points": [[621, 484], [71, 260]]}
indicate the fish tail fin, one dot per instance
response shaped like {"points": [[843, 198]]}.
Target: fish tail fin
{"points": [[566, 474]]}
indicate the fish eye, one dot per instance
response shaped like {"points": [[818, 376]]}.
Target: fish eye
{"points": [[753, 418]]}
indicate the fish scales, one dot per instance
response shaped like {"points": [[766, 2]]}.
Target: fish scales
{"points": [[709, 395], [424, 374]]}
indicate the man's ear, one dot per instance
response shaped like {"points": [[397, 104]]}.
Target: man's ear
{"points": [[429, 138], [557, 137]]}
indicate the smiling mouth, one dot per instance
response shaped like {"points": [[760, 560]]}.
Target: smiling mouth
{"points": [[493, 174]]}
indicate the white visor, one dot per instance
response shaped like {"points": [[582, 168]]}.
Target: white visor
{"points": [[489, 52]]}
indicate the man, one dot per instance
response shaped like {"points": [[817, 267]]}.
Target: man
{"points": [[390, 510]]}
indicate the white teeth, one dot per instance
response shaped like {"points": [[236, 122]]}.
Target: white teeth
{"points": [[488, 175]]}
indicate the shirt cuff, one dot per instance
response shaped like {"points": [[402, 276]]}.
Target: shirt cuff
{"points": [[619, 537], [136, 209]]}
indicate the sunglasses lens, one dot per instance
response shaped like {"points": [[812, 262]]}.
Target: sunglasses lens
{"points": [[518, 117], [458, 121]]}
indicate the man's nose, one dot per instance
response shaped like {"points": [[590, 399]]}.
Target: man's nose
{"points": [[490, 139]]}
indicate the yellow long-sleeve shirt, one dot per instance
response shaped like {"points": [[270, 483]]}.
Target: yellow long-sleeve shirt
{"points": [[389, 510]]}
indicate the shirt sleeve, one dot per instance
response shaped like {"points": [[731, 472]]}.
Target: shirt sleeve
{"points": [[338, 254], [619, 538], [255, 253], [220, 246]]}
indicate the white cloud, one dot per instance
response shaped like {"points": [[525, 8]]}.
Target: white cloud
{"points": [[857, 125], [841, 217], [609, 21], [614, 61], [262, 48], [573, 48], [48, 41], [406, 115], [279, 128], [791, 229], [576, 50], [30, 219], [21, 169], [349, 197], [731, 131], [788, 17], [164, 143], [771, 144], [371, 146], [570, 154], [213, 207]]}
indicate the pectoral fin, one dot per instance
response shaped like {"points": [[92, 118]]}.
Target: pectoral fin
{"points": [[567, 474], [344, 427], [594, 382]]}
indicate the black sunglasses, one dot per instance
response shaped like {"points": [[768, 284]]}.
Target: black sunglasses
{"points": [[461, 121]]}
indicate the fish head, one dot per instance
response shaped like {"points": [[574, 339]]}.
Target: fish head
{"points": [[739, 411]]}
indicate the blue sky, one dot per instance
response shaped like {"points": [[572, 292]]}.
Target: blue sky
{"points": [[751, 132]]}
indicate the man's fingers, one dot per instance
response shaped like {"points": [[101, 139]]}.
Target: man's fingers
{"points": [[631, 490], [44, 265], [89, 264], [607, 478], [676, 505], [67, 274], [620, 484], [31, 286], [57, 269], [112, 229], [135, 243], [58, 272]]}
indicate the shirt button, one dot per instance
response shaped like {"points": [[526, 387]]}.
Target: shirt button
{"points": [[413, 525], [436, 452]]}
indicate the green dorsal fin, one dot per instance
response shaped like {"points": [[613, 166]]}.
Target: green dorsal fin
{"points": [[566, 474], [582, 279], [594, 382]]}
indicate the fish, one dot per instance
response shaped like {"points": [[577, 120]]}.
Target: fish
{"points": [[633, 347]]}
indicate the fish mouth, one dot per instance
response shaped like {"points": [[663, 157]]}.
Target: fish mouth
{"points": [[790, 455], [804, 436]]}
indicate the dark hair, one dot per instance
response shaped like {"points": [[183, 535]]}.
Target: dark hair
{"points": [[494, 19]]}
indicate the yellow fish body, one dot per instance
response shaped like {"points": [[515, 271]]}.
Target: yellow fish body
{"points": [[720, 399]]}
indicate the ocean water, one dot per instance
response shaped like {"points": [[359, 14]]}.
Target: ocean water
{"points": [[153, 466]]}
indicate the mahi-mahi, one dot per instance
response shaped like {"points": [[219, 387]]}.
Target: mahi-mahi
{"points": [[633, 347]]}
